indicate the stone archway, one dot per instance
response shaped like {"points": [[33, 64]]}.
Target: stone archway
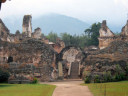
{"points": [[71, 59]]}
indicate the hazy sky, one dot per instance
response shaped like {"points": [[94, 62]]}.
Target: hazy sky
{"points": [[114, 11]]}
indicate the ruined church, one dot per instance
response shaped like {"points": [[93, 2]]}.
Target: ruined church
{"points": [[30, 54]]}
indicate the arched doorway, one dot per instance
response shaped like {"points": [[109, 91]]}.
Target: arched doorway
{"points": [[10, 59], [73, 57]]}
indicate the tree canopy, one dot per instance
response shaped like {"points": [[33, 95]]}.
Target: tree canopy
{"points": [[89, 38], [93, 34]]}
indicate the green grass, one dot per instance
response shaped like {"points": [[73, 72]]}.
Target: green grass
{"points": [[26, 90], [109, 89]]}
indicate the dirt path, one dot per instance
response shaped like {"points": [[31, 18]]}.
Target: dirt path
{"points": [[70, 88]]}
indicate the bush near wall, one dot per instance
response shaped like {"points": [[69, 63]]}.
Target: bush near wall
{"points": [[119, 74], [4, 75]]}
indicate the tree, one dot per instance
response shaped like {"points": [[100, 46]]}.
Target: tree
{"points": [[52, 37], [93, 34], [74, 40], [66, 38]]}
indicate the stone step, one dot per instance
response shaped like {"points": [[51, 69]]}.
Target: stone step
{"points": [[74, 71]]}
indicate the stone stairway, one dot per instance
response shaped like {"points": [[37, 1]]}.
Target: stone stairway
{"points": [[74, 70]]}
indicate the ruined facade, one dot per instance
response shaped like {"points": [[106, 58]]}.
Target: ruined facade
{"points": [[28, 54], [107, 36]]}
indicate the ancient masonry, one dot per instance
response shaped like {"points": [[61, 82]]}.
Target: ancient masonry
{"points": [[27, 25], [30, 54], [107, 36], [70, 62], [113, 52]]}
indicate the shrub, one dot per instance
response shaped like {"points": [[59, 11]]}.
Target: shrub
{"points": [[127, 71], [4, 75], [35, 81], [97, 79], [120, 74], [107, 76], [87, 80]]}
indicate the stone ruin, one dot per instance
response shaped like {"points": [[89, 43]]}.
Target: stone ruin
{"points": [[113, 52], [27, 26], [107, 36], [70, 62], [30, 54]]}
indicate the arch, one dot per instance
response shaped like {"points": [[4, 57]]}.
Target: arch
{"points": [[10, 59], [74, 57]]}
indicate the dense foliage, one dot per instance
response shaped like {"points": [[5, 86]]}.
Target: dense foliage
{"points": [[52, 37], [74, 40], [93, 34], [118, 75], [4, 75], [89, 38], [35, 81]]}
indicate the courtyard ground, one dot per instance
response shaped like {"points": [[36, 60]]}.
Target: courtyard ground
{"points": [[70, 88]]}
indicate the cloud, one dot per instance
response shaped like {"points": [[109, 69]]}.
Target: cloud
{"points": [[87, 10], [123, 2]]}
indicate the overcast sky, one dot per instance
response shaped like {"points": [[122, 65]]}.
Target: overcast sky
{"points": [[114, 11]]}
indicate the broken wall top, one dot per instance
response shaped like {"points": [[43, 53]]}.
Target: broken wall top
{"points": [[125, 30], [26, 20], [3, 25], [105, 31]]}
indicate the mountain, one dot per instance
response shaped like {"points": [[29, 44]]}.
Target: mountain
{"points": [[51, 22]]}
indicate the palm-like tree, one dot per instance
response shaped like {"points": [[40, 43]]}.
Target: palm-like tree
{"points": [[88, 32]]}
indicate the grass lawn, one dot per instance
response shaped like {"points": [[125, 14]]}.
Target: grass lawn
{"points": [[109, 89], [26, 90]]}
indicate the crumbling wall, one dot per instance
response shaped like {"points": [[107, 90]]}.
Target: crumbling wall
{"points": [[105, 31], [107, 36], [37, 33], [107, 60], [27, 26], [125, 30], [4, 32], [31, 51]]}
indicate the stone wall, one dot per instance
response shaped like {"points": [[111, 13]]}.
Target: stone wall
{"points": [[107, 60], [58, 46], [37, 33], [4, 32], [31, 51]]}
